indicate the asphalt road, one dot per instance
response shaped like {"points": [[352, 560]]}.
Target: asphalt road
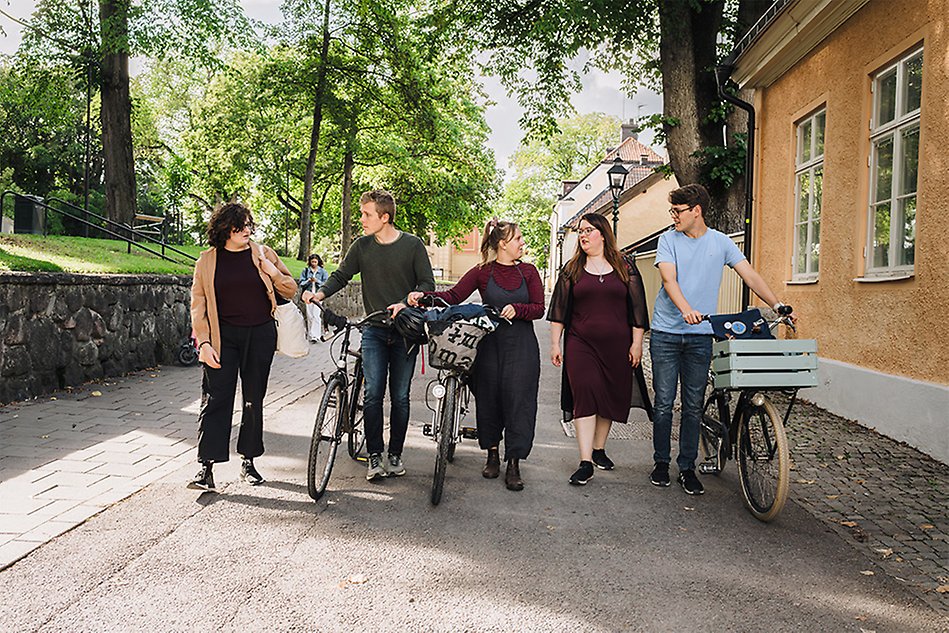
{"points": [[616, 555]]}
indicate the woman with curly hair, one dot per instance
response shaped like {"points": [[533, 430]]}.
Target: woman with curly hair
{"points": [[599, 307], [232, 305]]}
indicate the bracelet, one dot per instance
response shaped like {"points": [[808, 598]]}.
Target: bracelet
{"points": [[203, 343]]}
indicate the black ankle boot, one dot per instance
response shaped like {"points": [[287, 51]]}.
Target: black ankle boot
{"points": [[492, 468], [512, 478], [203, 480]]}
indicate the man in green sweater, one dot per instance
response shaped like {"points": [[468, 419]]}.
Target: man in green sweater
{"points": [[392, 264]]}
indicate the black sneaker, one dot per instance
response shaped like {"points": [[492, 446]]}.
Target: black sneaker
{"points": [[660, 475], [601, 461], [583, 474], [203, 480], [249, 473], [690, 483]]}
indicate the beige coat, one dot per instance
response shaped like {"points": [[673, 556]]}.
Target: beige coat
{"points": [[204, 318]]}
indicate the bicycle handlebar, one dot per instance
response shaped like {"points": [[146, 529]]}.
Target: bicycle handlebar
{"points": [[338, 322], [784, 313]]}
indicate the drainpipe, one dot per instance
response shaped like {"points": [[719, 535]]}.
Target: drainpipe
{"points": [[722, 75]]}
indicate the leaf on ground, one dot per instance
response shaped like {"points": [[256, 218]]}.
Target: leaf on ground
{"points": [[849, 523], [942, 589], [832, 497], [96, 393], [860, 617], [927, 526], [867, 572], [885, 552]]}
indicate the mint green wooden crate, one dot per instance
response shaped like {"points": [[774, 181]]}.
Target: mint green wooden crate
{"points": [[764, 363]]}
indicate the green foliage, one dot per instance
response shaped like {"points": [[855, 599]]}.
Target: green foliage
{"points": [[725, 164]]}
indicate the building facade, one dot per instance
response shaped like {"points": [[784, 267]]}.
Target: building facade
{"points": [[851, 172]]}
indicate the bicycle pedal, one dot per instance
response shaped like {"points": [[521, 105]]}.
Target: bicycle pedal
{"points": [[708, 468], [469, 432]]}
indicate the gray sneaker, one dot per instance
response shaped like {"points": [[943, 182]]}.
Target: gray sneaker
{"points": [[377, 470], [396, 468]]}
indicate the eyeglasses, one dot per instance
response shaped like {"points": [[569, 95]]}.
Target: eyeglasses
{"points": [[587, 230], [248, 225], [675, 212]]}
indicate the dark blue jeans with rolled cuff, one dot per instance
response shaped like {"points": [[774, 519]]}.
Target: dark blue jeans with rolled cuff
{"points": [[384, 355], [678, 358]]}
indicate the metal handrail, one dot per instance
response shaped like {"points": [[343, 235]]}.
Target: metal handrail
{"points": [[126, 227], [123, 227]]}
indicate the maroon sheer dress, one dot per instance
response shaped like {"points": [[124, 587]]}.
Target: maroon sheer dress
{"points": [[596, 352]]}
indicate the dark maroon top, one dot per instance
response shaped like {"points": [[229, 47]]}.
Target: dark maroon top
{"points": [[508, 278], [240, 292]]}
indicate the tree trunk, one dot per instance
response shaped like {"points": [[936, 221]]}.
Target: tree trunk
{"points": [[687, 54], [117, 112], [305, 238], [346, 212]]}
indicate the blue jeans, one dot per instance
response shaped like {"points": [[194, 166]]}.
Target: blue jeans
{"points": [[675, 358], [384, 353]]}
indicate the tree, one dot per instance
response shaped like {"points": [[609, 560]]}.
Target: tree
{"points": [[541, 164], [675, 43]]}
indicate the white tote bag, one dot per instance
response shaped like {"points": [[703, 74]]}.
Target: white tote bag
{"points": [[291, 331]]}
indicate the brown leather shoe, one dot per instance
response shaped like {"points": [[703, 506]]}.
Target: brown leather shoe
{"points": [[512, 478], [493, 466]]}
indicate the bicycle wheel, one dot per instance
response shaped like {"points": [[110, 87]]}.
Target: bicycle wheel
{"points": [[357, 432], [446, 437], [327, 433], [711, 441], [763, 462]]}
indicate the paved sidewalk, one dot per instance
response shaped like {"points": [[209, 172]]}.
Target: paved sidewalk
{"points": [[67, 457]]}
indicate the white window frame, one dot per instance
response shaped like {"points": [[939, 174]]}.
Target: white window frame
{"points": [[891, 130], [811, 166]]}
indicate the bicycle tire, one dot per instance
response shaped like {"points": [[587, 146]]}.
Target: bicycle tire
{"points": [[356, 441], [763, 461], [446, 439], [711, 441], [327, 433]]}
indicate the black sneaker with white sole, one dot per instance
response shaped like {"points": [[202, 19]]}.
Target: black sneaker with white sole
{"points": [[583, 474], [203, 480], [601, 461], [690, 483], [660, 475], [249, 474]]}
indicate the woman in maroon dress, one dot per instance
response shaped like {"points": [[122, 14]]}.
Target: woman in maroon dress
{"points": [[599, 305]]}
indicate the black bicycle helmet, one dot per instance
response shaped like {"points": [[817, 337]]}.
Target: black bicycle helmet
{"points": [[410, 324]]}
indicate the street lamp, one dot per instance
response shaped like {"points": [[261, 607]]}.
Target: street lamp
{"points": [[617, 175], [560, 235]]}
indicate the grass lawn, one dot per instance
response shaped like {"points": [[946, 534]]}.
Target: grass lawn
{"points": [[59, 253]]}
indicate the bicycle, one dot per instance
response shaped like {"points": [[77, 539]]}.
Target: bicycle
{"points": [[341, 410], [754, 435], [452, 352]]}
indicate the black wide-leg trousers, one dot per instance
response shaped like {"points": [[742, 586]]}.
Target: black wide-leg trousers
{"points": [[246, 352]]}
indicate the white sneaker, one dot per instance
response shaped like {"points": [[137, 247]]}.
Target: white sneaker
{"points": [[377, 469], [395, 466]]}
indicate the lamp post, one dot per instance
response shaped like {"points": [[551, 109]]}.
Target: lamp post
{"points": [[560, 235], [617, 175]]}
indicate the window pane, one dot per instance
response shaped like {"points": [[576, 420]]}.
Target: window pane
{"points": [[884, 167], [886, 98], [814, 250], [881, 236], [910, 159], [913, 77], [803, 195], [818, 191], [800, 251], [805, 140], [819, 134], [908, 250]]}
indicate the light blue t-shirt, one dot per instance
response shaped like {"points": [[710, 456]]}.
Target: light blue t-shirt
{"points": [[699, 263]]}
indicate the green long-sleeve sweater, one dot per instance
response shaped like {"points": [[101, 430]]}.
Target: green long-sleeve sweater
{"points": [[389, 271]]}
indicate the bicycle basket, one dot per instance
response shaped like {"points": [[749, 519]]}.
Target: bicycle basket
{"points": [[457, 345], [764, 364]]}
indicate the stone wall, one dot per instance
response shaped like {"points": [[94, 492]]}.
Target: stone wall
{"points": [[62, 329]]}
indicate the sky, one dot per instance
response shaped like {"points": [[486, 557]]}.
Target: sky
{"points": [[601, 91]]}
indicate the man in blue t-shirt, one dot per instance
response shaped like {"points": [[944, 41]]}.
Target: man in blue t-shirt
{"points": [[690, 261]]}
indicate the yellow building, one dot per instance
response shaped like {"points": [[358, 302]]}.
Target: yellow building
{"points": [[450, 262], [851, 174]]}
